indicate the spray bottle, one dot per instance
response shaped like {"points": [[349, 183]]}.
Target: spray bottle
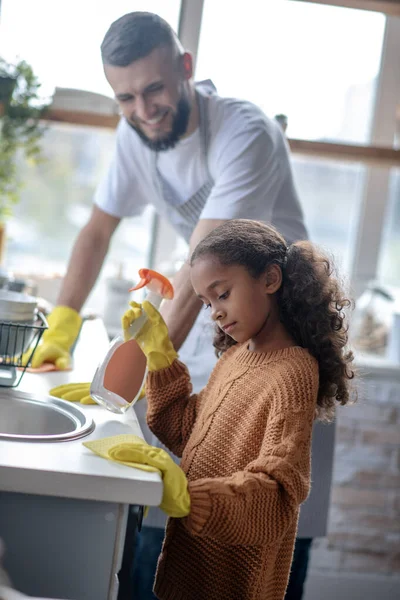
{"points": [[119, 378]]}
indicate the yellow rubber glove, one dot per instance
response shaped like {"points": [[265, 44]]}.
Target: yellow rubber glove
{"points": [[132, 451], [73, 392], [64, 325], [79, 392], [153, 338]]}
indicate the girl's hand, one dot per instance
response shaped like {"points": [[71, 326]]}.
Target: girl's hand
{"points": [[133, 451], [153, 337]]}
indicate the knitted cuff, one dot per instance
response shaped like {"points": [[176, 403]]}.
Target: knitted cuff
{"points": [[165, 376], [200, 508]]}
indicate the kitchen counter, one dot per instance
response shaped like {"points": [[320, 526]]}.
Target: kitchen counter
{"points": [[68, 469]]}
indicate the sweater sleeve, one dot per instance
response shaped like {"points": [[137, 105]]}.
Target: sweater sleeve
{"points": [[257, 505], [172, 408]]}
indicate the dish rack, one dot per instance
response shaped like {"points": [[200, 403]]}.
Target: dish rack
{"points": [[12, 335]]}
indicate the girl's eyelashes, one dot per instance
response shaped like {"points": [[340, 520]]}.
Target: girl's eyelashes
{"points": [[223, 296]]}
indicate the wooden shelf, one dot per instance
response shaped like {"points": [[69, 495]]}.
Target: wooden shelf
{"points": [[81, 118], [388, 7], [370, 155]]}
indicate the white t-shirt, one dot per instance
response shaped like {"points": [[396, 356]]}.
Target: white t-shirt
{"points": [[247, 160]]}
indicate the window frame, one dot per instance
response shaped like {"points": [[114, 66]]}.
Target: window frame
{"points": [[372, 215], [388, 7], [381, 153]]}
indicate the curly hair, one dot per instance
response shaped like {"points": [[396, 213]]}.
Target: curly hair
{"points": [[312, 305]]}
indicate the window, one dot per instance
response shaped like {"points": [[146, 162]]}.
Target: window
{"points": [[389, 264], [63, 47], [302, 60], [330, 194], [56, 202], [316, 64], [57, 196]]}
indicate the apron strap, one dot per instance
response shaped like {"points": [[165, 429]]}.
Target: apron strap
{"points": [[191, 209]]}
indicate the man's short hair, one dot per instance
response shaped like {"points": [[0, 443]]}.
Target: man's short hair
{"points": [[134, 36]]}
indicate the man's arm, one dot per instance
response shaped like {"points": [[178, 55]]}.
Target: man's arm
{"points": [[181, 312], [87, 258]]}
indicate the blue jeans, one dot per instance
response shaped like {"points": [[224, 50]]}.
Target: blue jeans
{"points": [[148, 547], [147, 550], [298, 571]]}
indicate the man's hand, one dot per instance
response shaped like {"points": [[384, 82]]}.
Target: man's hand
{"points": [[73, 392], [57, 340]]}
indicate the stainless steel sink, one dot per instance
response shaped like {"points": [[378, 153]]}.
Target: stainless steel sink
{"points": [[26, 417]]}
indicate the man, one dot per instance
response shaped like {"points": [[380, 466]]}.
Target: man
{"points": [[199, 159]]}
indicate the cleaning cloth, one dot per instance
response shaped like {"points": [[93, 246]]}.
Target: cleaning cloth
{"points": [[133, 451]]}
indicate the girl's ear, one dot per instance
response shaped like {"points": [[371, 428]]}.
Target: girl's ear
{"points": [[273, 279]]}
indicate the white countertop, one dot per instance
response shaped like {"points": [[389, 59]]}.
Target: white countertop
{"points": [[68, 469]]}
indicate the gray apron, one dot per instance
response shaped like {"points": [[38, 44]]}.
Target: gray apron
{"points": [[197, 351], [167, 201]]}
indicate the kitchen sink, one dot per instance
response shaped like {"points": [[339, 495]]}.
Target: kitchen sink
{"points": [[30, 418]]}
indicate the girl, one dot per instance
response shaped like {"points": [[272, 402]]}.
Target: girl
{"points": [[244, 441]]}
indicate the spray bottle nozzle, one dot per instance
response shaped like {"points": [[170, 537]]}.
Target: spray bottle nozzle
{"points": [[155, 282]]}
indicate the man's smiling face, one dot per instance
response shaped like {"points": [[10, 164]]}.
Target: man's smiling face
{"points": [[152, 93]]}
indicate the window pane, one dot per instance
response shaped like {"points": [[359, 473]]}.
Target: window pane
{"points": [[330, 193], [316, 64], [56, 202], [63, 46], [389, 267]]}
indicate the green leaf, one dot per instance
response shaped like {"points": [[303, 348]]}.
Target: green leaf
{"points": [[20, 127]]}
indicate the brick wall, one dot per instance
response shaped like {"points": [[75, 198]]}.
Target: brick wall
{"points": [[364, 524]]}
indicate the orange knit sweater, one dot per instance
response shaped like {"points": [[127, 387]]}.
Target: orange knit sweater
{"points": [[245, 445]]}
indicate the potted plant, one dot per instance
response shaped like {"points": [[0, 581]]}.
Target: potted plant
{"points": [[20, 131]]}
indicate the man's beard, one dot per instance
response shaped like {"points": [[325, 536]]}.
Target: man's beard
{"points": [[179, 126]]}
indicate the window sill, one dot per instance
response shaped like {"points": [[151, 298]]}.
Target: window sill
{"points": [[371, 155]]}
